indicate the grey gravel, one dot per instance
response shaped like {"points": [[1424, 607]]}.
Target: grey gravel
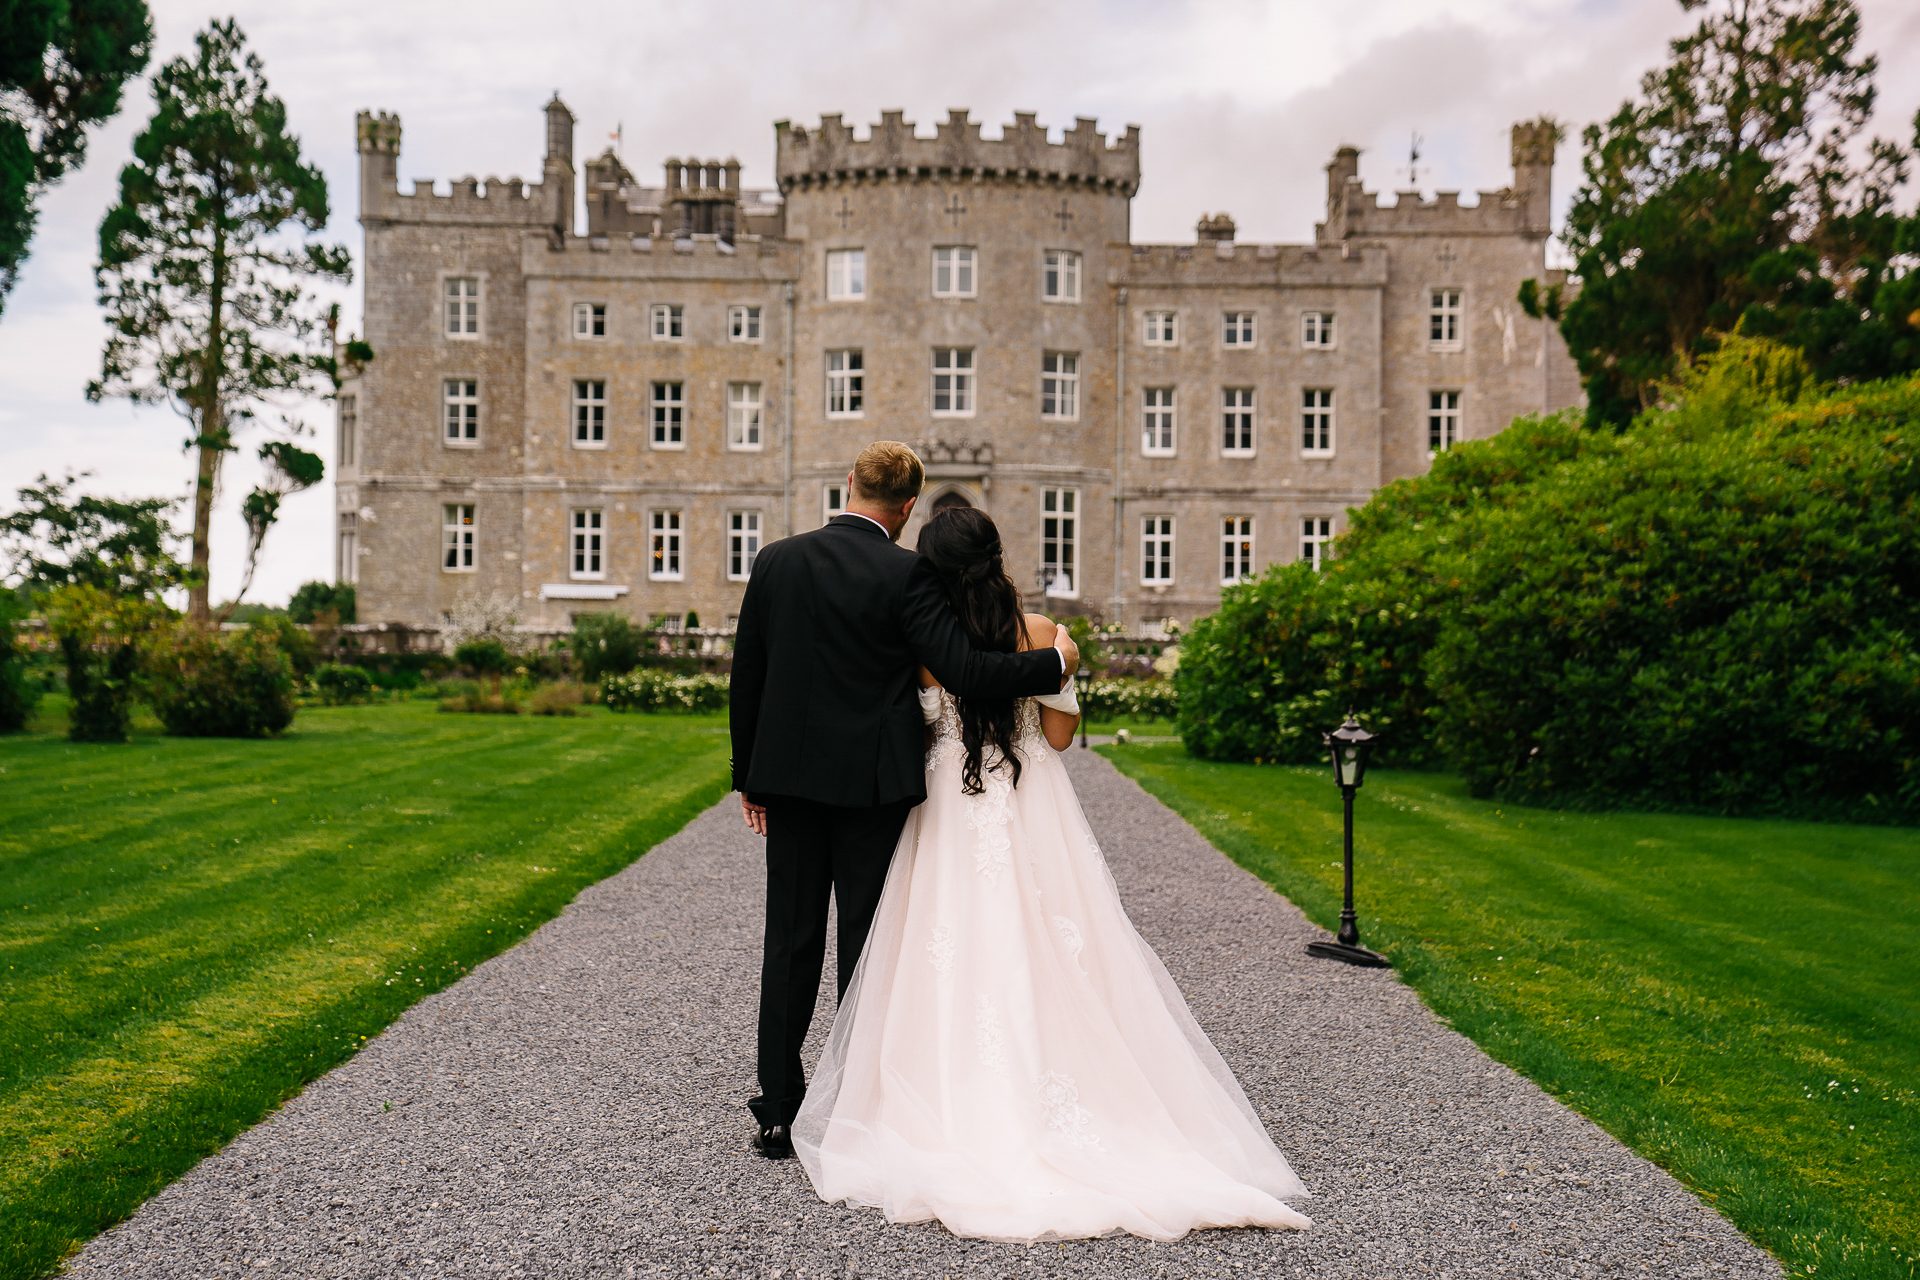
{"points": [[575, 1107]]}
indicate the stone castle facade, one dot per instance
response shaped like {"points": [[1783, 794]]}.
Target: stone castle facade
{"points": [[621, 419]]}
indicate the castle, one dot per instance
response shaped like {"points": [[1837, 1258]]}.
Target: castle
{"points": [[621, 419]]}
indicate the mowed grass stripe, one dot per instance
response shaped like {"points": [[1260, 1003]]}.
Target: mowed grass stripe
{"points": [[1732, 998], [178, 963]]}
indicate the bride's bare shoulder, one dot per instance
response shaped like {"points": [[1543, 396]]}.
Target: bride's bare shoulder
{"points": [[1039, 631]]}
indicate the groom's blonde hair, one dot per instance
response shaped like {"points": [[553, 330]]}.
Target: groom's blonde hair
{"points": [[889, 473]]}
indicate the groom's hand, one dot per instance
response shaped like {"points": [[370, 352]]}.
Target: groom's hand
{"points": [[755, 814], [1069, 653]]}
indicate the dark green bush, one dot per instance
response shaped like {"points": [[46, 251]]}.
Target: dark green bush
{"points": [[484, 657], [340, 684], [208, 685], [20, 686], [606, 644], [1715, 610], [293, 640]]}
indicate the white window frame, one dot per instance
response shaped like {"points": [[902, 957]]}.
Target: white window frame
{"points": [[743, 544], [846, 275], [587, 544], [1162, 329], [461, 312], [459, 532], [346, 437], [1239, 423], [589, 413], [1159, 422], [1239, 329], [666, 545], [1444, 418], [589, 321], [1446, 318], [348, 528], [956, 380], [956, 271], [833, 500], [1316, 540], [847, 383], [1060, 541], [667, 415], [743, 324], [669, 322], [1316, 422], [745, 417], [1060, 386], [1236, 550], [1060, 275], [1157, 557], [1316, 330], [460, 413]]}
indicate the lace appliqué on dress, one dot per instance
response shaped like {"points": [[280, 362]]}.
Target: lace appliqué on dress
{"points": [[940, 950], [988, 1039], [987, 815], [1070, 939], [1060, 1103]]}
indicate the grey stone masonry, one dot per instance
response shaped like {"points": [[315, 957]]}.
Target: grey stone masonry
{"points": [[618, 420]]}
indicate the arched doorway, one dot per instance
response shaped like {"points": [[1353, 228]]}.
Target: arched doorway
{"points": [[951, 498]]}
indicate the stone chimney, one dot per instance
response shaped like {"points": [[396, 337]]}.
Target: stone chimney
{"points": [[1345, 167], [558, 179], [1217, 227]]}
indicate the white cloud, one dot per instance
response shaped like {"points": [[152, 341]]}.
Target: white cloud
{"points": [[1241, 104]]}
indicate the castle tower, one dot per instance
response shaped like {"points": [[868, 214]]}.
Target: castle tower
{"points": [[1533, 146], [1344, 168], [378, 139]]}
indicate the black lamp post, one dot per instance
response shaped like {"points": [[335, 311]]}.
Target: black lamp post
{"points": [[1083, 687], [1350, 746]]}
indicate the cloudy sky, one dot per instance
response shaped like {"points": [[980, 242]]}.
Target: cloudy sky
{"points": [[1241, 102]]}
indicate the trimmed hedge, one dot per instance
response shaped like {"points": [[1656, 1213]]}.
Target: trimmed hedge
{"points": [[340, 684], [1131, 699], [1714, 611]]}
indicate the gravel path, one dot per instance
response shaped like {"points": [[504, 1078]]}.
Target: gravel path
{"points": [[575, 1107]]}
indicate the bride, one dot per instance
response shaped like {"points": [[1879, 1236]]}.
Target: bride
{"points": [[1011, 1057]]}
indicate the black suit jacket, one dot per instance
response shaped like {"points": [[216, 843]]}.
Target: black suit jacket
{"points": [[834, 628]]}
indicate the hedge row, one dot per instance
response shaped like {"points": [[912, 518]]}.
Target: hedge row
{"points": [[1715, 610]]}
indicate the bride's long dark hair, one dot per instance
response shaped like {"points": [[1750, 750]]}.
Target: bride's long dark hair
{"points": [[964, 548]]}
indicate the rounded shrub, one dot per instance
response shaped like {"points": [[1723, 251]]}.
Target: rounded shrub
{"points": [[208, 685], [340, 684]]}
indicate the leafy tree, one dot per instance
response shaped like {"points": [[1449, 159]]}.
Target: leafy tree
{"points": [[606, 644], [62, 65], [19, 690], [1729, 196], [207, 302], [315, 598], [61, 538]]}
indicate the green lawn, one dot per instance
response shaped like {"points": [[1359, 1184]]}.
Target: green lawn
{"points": [[1737, 1000], [193, 929]]}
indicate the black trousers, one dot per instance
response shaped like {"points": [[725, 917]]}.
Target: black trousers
{"points": [[813, 850]]}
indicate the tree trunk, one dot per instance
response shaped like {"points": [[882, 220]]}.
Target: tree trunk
{"points": [[199, 609], [213, 425]]}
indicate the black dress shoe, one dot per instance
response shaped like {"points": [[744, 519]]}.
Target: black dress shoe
{"points": [[774, 1142]]}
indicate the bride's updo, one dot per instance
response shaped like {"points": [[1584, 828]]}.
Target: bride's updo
{"points": [[963, 545]]}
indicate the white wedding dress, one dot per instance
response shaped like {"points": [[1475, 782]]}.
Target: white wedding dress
{"points": [[1011, 1057]]}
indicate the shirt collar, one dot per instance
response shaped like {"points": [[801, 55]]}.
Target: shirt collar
{"points": [[855, 515]]}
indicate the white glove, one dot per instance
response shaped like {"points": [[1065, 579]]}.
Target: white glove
{"points": [[1065, 700], [930, 703]]}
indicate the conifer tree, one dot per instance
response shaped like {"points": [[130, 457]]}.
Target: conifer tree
{"points": [[62, 65], [1732, 195], [207, 300]]}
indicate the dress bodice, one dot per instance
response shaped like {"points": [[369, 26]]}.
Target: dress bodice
{"points": [[946, 729]]}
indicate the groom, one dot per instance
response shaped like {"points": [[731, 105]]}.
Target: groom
{"points": [[828, 744]]}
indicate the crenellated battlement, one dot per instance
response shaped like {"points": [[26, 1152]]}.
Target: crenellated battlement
{"points": [[511, 201], [1223, 262], [1521, 209], [892, 149]]}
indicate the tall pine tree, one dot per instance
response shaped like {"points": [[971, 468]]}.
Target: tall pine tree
{"points": [[208, 303], [1735, 193]]}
